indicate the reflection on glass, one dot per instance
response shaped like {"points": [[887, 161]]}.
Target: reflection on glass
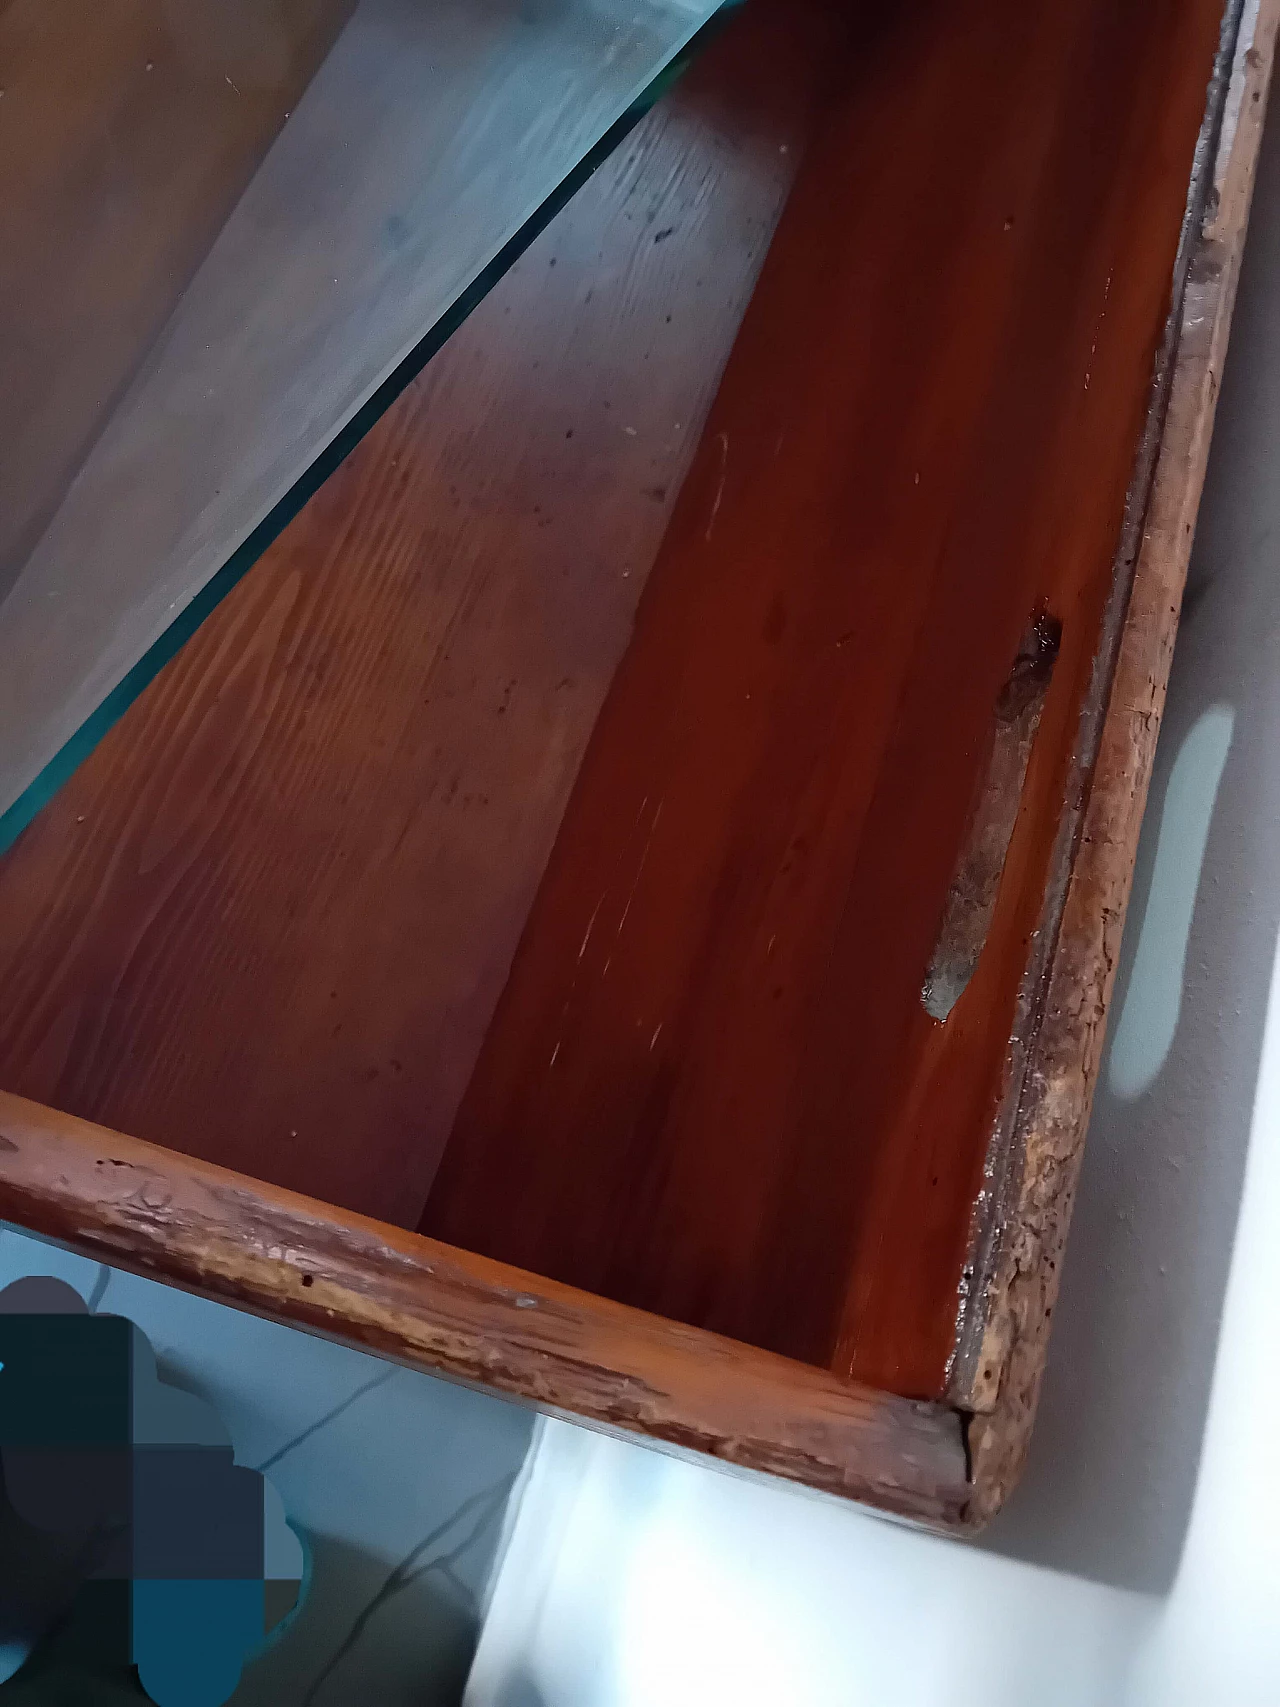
{"points": [[233, 228]]}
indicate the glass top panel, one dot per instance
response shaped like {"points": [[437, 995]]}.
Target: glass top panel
{"points": [[230, 227]]}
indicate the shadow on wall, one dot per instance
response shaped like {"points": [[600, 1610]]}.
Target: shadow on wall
{"points": [[521, 1691], [1108, 1489], [376, 1659]]}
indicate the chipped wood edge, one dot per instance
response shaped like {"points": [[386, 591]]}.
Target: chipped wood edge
{"points": [[481, 1323], [622, 1371], [973, 1374], [1057, 1089]]}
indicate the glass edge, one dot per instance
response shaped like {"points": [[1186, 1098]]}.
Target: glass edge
{"points": [[55, 773]]}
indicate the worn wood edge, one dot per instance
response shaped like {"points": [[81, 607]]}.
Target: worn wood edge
{"points": [[481, 1323], [1056, 1089], [973, 1376]]}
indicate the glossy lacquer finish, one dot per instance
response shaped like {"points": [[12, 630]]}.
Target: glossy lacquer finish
{"points": [[711, 1087], [268, 920], [455, 875]]}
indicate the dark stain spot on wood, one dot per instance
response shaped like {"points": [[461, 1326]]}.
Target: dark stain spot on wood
{"points": [[971, 900]]}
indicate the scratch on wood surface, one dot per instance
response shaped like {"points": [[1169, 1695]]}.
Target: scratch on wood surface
{"points": [[724, 466], [591, 925], [640, 868], [1093, 348]]}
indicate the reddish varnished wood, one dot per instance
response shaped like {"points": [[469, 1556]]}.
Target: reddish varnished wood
{"points": [[471, 1320], [268, 920], [1053, 1117], [463, 1314], [711, 1088]]}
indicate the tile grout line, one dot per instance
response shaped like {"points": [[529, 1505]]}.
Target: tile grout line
{"points": [[490, 1500], [378, 1380]]}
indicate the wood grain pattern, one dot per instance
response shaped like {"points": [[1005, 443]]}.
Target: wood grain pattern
{"points": [[429, 138], [472, 1319], [268, 920], [1053, 1115], [422, 1304], [711, 1088]]}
